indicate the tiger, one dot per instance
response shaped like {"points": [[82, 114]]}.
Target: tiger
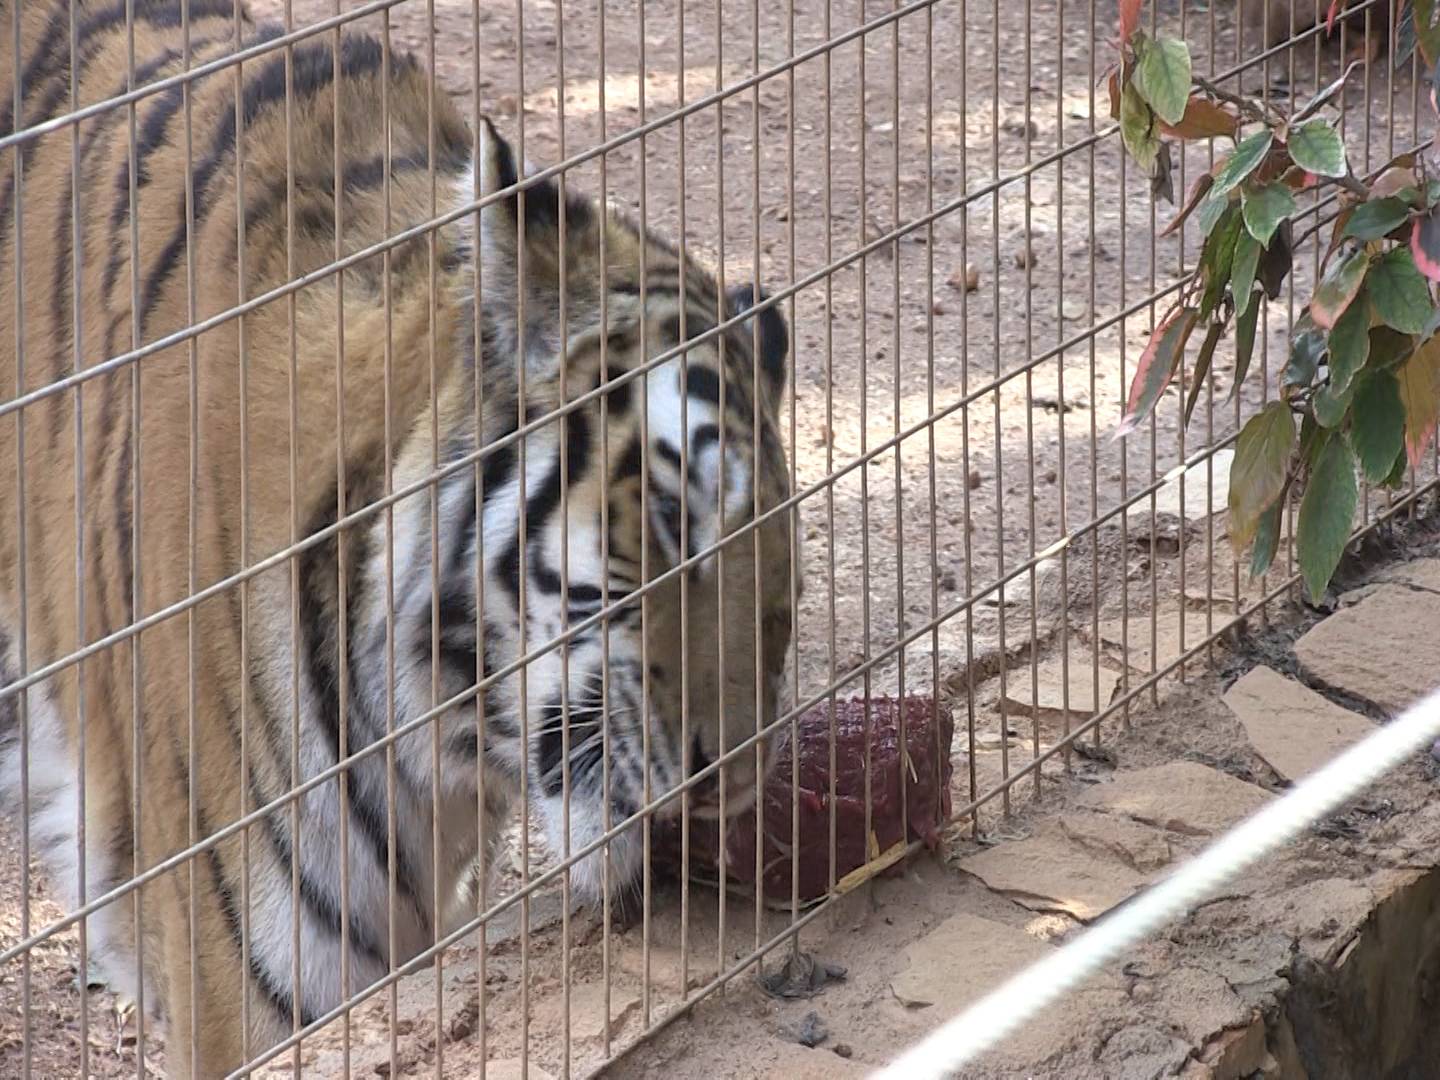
{"points": [[1269, 24], [305, 528]]}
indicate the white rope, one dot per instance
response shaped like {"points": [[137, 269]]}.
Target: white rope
{"points": [[981, 1026]]}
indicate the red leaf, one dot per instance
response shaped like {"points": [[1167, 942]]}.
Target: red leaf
{"points": [[1115, 94], [1338, 289], [1203, 119], [1129, 18], [1337, 235], [1330, 15], [1425, 245], [1198, 190], [1394, 179], [1420, 395], [1157, 367]]}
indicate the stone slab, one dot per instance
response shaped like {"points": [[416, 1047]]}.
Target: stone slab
{"points": [[587, 1009], [1167, 645], [509, 1069], [1292, 727], [1384, 650], [1205, 493], [1045, 692], [1053, 873], [961, 959], [1181, 796], [1139, 846]]}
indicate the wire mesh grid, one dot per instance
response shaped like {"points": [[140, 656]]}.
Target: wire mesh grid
{"points": [[293, 483]]}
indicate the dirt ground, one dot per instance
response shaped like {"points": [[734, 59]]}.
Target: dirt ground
{"points": [[813, 163]]}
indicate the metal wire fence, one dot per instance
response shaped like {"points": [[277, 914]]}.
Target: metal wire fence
{"points": [[313, 411]]}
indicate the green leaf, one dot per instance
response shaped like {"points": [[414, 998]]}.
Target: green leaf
{"points": [[1312, 438], [1420, 393], [1330, 404], [1349, 346], [1267, 539], [1137, 129], [1202, 367], [1242, 271], [1212, 209], [1257, 473], [1388, 347], [1306, 349], [1275, 264], [1377, 424], [1397, 471], [1338, 288], [1162, 78], [1216, 261], [1316, 147], [1372, 220], [1326, 514], [1399, 293], [1242, 162], [1266, 208], [1244, 344], [1157, 367]]}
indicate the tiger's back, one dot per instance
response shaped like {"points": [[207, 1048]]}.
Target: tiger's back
{"points": [[186, 459], [164, 457]]}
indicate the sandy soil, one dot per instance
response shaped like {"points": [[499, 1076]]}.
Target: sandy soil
{"points": [[840, 151]]}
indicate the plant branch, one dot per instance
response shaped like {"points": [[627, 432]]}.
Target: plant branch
{"points": [[1249, 106]]}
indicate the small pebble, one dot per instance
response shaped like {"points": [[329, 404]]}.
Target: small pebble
{"points": [[974, 479], [843, 1050], [967, 278]]}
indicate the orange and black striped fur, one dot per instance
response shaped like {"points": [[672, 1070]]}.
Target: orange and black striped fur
{"points": [[160, 477]]}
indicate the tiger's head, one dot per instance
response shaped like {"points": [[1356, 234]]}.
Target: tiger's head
{"points": [[657, 492]]}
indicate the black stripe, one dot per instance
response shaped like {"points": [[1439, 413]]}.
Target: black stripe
{"points": [[704, 435], [629, 464], [51, 60], [61, 308], [313, 71], [148, 139], [703, 383], [9, 707], [322, 906], [318, 617], [361, 176], [277, 995], [665, 508], [124, 520], [540, 506], [495, 473], [585, 753]]}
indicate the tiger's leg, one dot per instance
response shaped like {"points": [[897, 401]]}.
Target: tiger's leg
{"points": [[204, 1028]]}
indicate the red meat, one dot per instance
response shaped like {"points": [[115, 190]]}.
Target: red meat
{"points": [[926, 797]]}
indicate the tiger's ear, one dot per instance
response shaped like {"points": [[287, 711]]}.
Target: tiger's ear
{"points": [[501, 232], [520, 236], [773, 335]]}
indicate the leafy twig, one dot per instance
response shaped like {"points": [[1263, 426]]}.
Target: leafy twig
{"points": [[1249, 106]]}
